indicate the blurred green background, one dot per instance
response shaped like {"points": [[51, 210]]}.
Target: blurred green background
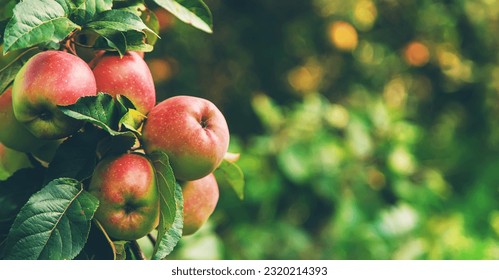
{"points": [[367, 129]]}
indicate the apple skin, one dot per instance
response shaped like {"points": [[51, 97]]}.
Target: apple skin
{"points": [[13, 134], [191, 131], [49, 79], [129, 76], [200, 199], [11, 161], [129, 201]]}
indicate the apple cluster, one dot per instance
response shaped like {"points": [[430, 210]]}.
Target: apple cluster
{"points": [[190, 130]]}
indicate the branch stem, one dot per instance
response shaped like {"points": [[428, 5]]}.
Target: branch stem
{"points": [[134, 246]]}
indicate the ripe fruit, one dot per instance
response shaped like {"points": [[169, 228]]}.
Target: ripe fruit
{"points": [[191, 131], [13, 134], [128, 76], [11, 161], [200, 200], [126, 188], [49, 79]]}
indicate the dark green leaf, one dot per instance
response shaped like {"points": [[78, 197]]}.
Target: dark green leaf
{"points": [[173, 235], [76, 157], [233, 175], [85, 10], [14, 193], [193, 12], [166, 188], [111, 40], [121, 41], [135, 42], [115, 145], [35, 22], [150, 19], [9, 72], [53, 224], [118, 20], [102, 110]]}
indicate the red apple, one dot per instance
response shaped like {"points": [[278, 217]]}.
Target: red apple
{"points": [[49, 79], [13, 134], [128, 76], [200, 200], [191, 131], [126, 188]]}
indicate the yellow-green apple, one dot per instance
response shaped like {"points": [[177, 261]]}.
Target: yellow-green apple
{"points": [[191, 131], [128, 76], [11, 161], [49, 79], [126, 188], [200, 200], [12, 133]]}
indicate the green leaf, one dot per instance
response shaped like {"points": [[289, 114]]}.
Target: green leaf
{"points": [[150, 19], [102, 110], [231, 174], [166, 183], [35, 22], [174, 233], [9, 72], [76, 156], [111, 40], [115, 145], [118, 20], [132, 120], [193, 12], [121, 41], [15, 192], [53, 224], [85, 10], [120, 247], [135, 42]]}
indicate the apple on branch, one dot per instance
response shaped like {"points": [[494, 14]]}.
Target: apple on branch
{"points": [[129, 202], [128, 75], [49, 79], [13, 134], [200, 200], [191, 131]]}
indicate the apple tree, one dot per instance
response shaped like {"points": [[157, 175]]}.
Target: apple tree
{"points": [[90, 161]]}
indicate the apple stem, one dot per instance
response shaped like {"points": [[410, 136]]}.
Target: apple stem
{"points": [[152, 238], [134, 246]]}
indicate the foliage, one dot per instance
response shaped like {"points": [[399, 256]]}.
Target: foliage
{"points": [[367, 129]]}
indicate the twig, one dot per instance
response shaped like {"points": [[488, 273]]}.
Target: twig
{"points": [[152, 238], [134, 246]]}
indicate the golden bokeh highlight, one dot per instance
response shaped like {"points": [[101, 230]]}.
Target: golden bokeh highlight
{"points": [[365, 14], [416, 54], [343, 35], [306, 78], [395, 93]]}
